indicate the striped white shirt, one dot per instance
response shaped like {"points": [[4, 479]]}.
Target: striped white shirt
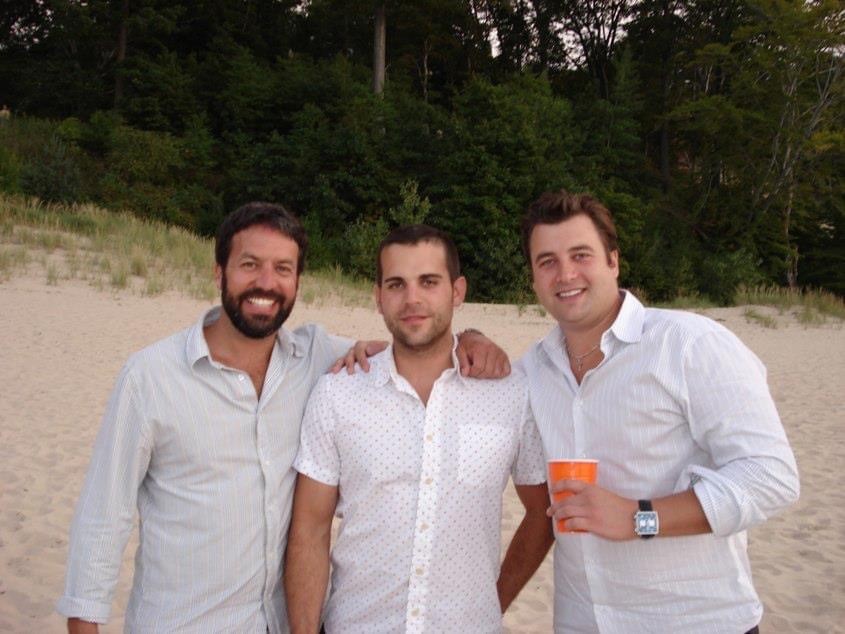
{"points": [[678, 401], [420, 494], [208, 465]]}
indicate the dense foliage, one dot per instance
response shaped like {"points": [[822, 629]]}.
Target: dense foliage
{"points": [[711, 128]]}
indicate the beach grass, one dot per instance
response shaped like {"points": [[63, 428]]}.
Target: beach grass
{"points": [[811, 307], [752, 315], [119, 251]]}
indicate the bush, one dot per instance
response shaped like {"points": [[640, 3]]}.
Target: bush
{"points": [[10, 171], [54, 174]]}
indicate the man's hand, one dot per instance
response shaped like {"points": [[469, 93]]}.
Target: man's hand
{"points": [[78, 626], [480, 358], [593, 509], [358, 354]]}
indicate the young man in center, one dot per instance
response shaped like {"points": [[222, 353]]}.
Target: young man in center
{"points": [[413, 457]]}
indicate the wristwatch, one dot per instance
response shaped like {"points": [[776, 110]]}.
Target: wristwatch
{"points": [[646, 522]]}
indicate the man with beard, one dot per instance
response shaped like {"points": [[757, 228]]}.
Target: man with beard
{"points": [[414, 458], [199, 434]]}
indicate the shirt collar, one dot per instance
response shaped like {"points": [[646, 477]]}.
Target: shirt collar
{"points": [[383, 366], [627, 327], [197, 347]]}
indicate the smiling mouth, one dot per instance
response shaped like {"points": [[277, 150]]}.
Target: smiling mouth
{"points": [[262, 302], [568, 294]]}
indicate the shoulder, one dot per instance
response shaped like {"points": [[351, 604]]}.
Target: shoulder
{"points": [[680, 325], [309, 335], [161, 355], [514, 385], [342, 386]]}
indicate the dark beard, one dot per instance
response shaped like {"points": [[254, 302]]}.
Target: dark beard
{"points": [[255, 327]]}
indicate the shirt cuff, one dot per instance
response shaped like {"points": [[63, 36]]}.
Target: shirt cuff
{"points": [[315, 472], [529, 478], [85, 609]]}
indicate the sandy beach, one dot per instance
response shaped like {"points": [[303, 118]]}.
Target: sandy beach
{"points": [[62, 346]]}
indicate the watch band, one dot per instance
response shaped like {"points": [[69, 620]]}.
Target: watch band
{"points": [[645, 505]]}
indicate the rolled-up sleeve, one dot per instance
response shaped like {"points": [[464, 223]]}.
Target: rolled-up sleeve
{"points": [[106, 508], [733, 416]]}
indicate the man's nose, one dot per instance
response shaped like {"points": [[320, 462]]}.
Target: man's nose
{"points": [[412, 294], [266, 276], [566, 271]]}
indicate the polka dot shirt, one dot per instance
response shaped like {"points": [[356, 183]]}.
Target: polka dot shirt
{"points": [[419, 494]]}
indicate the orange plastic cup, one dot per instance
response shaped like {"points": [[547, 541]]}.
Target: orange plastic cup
{"points": [[584, 470]]}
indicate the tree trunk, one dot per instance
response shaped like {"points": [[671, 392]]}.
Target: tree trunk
{"points": [[121, 52], [791, 249], [379, 48]]}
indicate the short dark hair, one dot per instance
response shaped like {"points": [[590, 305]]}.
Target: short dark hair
{"points": [[554, 207], [270, 215], [414, 234]]}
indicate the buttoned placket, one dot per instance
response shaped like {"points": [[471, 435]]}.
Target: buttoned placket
{"points": [[429, 491], [581, 437], [274, 376]]}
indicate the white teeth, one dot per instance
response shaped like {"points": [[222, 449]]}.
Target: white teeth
{"points": [[569, 293], [260, 301]]}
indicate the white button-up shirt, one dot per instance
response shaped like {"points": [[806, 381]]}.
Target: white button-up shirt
{"points": [[208, 465], [419, 494], [678, 401]]}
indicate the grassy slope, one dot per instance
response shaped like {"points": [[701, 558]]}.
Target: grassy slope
{"points": [[121, 251]]}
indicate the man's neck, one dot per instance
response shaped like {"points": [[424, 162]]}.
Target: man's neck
{"points": [[422, 367], [229, 346], [581, 339]]}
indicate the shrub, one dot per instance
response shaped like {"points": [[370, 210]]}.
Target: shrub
{"points": [[53, 174]]}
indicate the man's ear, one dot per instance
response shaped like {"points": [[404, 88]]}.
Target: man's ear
{"points": [[613, 258], [218, 276], [459, 291], [377, 297]]}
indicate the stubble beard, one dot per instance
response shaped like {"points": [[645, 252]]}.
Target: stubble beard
{"points": [[417, 342]]}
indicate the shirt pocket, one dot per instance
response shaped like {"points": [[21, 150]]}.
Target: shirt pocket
{"points": [[485, 454]]}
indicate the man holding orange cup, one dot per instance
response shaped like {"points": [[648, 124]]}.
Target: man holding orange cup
{"points": [[582, 470], [677, 410]]}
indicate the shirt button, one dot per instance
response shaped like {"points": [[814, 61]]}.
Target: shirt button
{"points": [[415, 612], [419, 571], [429, 437], [423, 526], [429, 480]]}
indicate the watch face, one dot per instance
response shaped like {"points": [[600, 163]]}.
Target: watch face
{"points": [[645, 523]]}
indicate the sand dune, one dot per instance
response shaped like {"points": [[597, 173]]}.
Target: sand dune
{"points": [[61, 347]]}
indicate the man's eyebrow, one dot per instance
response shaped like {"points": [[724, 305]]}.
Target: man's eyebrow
{"points": [[544, 254]]}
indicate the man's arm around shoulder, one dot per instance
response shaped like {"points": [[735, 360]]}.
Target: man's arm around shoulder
{"points": [[307, 558]]}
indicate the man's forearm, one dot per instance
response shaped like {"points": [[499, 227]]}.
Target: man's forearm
{"points": [[306, 579], [526, 552], [78, 626], [681, 514]]}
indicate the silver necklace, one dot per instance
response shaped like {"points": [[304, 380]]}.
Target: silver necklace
{"points": [[579, 359]]}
